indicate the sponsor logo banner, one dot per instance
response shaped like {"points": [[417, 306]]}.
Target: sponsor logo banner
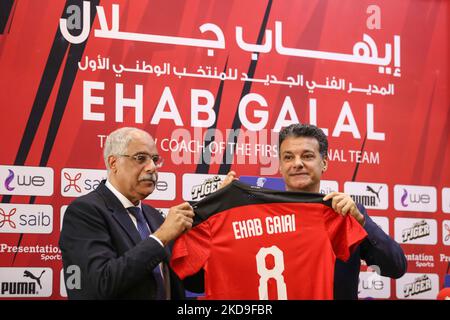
{"points": [[198, 186], [27, 181], [415, 198], [78, 182], [370, 195], [372, 285], [415, 231], [26, 282], [26, 218], [165, 188], [417, 286]]}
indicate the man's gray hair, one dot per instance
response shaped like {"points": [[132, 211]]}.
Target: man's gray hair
{"points": [[117, 142]]}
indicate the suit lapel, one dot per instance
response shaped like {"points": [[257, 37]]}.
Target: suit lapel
{"points": [[124, 220], [119, 213], [154, 220]]}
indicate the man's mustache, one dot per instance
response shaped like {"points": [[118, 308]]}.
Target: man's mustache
{"points": [[149, 177]]}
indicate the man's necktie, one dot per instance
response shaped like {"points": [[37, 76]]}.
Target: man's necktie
{"points": [[142, 226], [144, 231]]}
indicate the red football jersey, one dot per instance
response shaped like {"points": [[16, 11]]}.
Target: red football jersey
{"points": [[264, 244]]}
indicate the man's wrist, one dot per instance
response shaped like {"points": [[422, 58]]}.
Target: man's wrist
{"points": [[361, 220], [157, 239]]}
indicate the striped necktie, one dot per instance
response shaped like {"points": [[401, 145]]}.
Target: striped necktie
{"points": [[144, 231]]}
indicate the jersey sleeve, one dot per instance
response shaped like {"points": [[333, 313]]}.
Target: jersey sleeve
{"points": [[191, 251], [345, 233]]}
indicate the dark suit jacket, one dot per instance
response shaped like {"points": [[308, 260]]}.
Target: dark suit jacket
{"points": [[377, 249], [100, 238]]}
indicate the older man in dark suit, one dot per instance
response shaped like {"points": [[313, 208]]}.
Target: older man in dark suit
{"points": [[120, 245]]}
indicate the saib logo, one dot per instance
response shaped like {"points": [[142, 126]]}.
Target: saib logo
{"points": [[72, 182], [77, 182], [28, 181], [6, 218], [26, 218]]}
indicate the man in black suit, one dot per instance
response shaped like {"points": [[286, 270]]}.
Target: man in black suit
{"points": [[120, 245], [303, 159]]}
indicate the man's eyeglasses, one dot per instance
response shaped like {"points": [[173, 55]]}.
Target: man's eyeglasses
{"points": [[144, 159]]}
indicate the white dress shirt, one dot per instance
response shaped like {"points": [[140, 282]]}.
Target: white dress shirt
{"points": [[127, 203]]}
